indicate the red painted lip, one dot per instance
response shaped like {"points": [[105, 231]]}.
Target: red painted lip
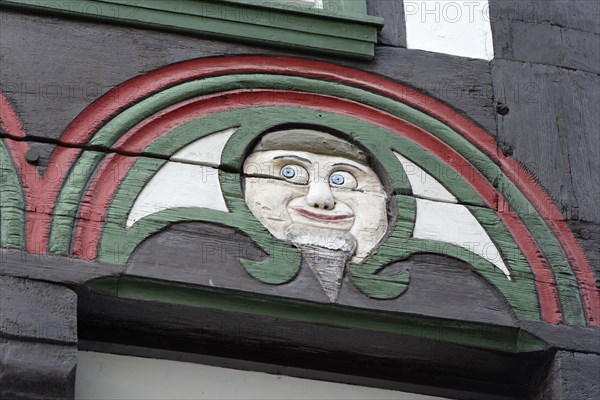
{"points": [[321, 217]]}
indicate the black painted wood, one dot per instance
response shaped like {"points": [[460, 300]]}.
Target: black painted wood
{"points": [[571, 376], [53, 268], [37, 311], [581, 15], [38, 340], [91, 58], [209, 255], [588, 236], [569, 48], [463, 83], [36, 370], [552, 128], [583, 340], [393, 32], [440, 287]]}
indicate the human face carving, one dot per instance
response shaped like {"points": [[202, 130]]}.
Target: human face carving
{"points": [[322, 192]]}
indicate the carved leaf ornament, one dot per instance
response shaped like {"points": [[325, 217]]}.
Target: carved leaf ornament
{"points": [[349, 171]]}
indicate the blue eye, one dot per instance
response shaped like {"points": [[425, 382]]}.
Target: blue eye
{"points": [[342, 180], [337, 179], [288, 172], [295, 174]]}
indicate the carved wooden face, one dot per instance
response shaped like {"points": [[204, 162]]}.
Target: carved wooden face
{"points": [[317, 191]]}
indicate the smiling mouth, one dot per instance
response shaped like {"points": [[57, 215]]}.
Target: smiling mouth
{"points": [[322, 217]]}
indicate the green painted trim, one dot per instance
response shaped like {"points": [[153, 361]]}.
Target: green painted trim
{"points": [[110, 133], [351, 9], [502, 338], [12, 203], [521, 292], [118, 243], [351, 6], [568, 291], [300, 21], [339, 33], [70, 199]]}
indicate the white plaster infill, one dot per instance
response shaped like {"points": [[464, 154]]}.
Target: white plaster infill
{"points": [[454, 224], [439, 218], [205, 151], [424, 185], [189, 179], [460, 28]]}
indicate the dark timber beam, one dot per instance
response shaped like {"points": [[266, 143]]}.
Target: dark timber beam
{"points": [[38, 340]]}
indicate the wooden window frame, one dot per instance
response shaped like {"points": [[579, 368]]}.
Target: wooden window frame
{"points": [[341, 27]]}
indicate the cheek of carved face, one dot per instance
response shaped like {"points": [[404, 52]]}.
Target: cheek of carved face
{"points": [[330, 193], [267, 199], [370, 220]]}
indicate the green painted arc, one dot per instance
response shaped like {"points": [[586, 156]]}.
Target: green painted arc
{"points": [[69, 201], [117, 127], [118, 242], [521, 295], [569, 295], [567, 285], [460, 332], [12, 203]]}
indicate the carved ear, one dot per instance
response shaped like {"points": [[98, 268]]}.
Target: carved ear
{"points": [[189, 179]]}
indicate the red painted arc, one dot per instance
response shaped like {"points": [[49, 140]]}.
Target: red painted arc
{"points": [[101, 191], [35, 187], [134, 90], [137, 139], [10, 122]]}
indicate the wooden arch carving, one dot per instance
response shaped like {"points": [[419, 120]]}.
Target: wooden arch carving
{"points": [[81, 209]]}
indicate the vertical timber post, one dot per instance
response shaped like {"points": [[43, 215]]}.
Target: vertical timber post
{"points": [[38, 340]]}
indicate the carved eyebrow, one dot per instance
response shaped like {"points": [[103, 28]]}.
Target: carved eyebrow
{"points": [[306, 160], [350, 165]]}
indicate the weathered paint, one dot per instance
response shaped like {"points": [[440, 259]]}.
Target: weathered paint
{"points": [[453, 223], [460, 125], [179, 185], [424, 185], [343, 31], [12, 206], [190, 179], [373, 285], [203, 106], [461, 332], [206, 151]]}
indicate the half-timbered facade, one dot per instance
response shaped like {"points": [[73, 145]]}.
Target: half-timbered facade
{"points": [[396, 195]]}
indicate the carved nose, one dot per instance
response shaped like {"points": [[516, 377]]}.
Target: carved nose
{"points": [[319, 196]]}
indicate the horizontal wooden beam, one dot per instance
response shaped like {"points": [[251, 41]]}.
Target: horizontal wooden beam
{"points": [[327, 31]]}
